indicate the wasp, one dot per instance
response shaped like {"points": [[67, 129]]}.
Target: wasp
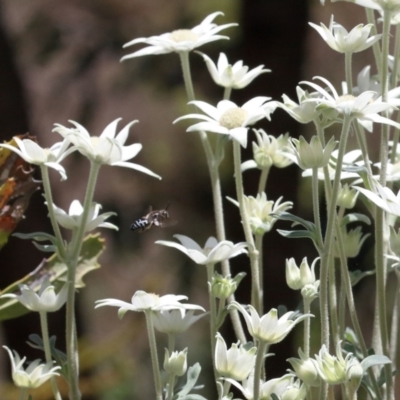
{"points": [[156, 218]]}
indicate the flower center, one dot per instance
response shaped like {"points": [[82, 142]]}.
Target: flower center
{"points": [[183, 35], [345, 99], [233, 118]]}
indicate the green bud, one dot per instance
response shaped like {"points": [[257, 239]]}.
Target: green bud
{"points": [[176, 364], [347, 197]]}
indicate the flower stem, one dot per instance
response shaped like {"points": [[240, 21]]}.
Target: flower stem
{"points": [[22, 393], [171, 385], [349, 76], [329, 235], [263, 180], [213, 315], [227, 93], [72, 259], [213, 168], [258, 368], [257, 300], [153, 352], [317, 218], [307, 322], [49, 200], [46, 344]]}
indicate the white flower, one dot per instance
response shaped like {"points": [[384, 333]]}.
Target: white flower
{"points": [[334, 369], [176, 363], [32, 153], [175, 321], [311, 155], [45, 300], [181, 40], [236, 76], [384, 199], [212, 253], [268, 151], [108, 148], [277, 386], [347, 197], [235, 363], [305, 369], [303, 112], [380, 5], [262, 213], [73, 219], [342, 41], [144, 302], [229, 119], [364, 108], [269, 328], [298, 277], [34, 375], [349, 160]]}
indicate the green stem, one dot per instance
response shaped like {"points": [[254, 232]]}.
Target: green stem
{"points": [[171, 342], [263, 180], [380, 227], [22, 393], [317, 219], [333, 306], [396, 55], [375, 47], [349, 73], [213, 168], [394, 336], [227, 93], [153, 353], [307, 322], [47, 352], [171, 385], [257, 300], [258, 369], [72, 260], [259, 248], [50, 206], [346, 281], [329, 235], [213, 316]]}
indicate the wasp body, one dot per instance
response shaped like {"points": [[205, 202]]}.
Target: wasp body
{"points": [[156, 218]]}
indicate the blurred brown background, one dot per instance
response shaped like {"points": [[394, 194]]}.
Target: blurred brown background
{"points": [[60, 61]]}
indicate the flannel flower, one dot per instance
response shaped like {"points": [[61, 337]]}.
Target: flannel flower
{"points": [[73, 219], [379, 5], [384, 198], [175, 321], [45, 300], [34, 375], [212, 253], [237, 362], [338, 39], [278, 386], [32, 153], [263, 213], [269, 328], [108, 148], [229, 119], [144, 302], [181, 40], [364, 108], [268, 151], [236, 76]]}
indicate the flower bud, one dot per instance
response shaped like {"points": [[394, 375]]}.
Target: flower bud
{"points": [[352, 241], [176, 364], [223, 287], [312, 155], [305, 369], [347, 197], [298, 277], [310, 291]]}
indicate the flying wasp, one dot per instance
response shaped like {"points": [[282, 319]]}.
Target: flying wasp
{"points": [[156, 218]]}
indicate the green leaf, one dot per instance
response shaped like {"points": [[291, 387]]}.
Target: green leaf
{"points": [[192, 376], [285, 216], [355, 217], [296, 234], [92, 247], [376, 359]]}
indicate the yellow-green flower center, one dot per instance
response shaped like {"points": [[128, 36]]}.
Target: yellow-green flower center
{"points": [[345, 98], [183, 35], [233, 118]]}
